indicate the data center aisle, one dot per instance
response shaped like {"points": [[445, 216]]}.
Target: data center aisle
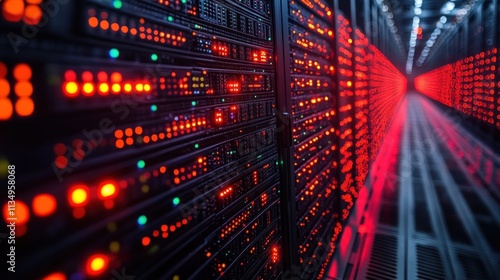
{"points": [[434, 210]]}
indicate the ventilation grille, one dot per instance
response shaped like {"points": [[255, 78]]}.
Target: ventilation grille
{"points": [[429, 263], [384, 258]]}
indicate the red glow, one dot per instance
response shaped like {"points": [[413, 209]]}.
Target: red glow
{"points": [[225, 192], [55, 276], [275, 254]]}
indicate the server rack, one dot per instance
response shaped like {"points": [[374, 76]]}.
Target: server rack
{"points": [[153, 128]]}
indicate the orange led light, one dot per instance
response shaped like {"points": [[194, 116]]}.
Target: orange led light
{"points": [[138, 130], [22, 72], [129, 131], [4, 88], [25, 106], [23, 89], [119, 133], [44, 205], [104, 25], [13, 10], [78, 195], [120, 143], [6, 109], [93, 22], [32, 14], [97, 264]]}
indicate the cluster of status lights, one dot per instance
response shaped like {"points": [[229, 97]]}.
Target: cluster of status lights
{"points": [[347, 113], [27, 11], [362, 58], [102, 83], [467, 85], [22, 89], [136, 29], [387, 87]]}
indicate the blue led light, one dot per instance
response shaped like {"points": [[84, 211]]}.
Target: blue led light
{"points": [[117, 4], [176, 201], [142, 220], [114, 53]]}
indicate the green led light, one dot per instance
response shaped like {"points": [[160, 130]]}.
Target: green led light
{"points": [[193, 103], [141, 164], [176, 201], [170, 18], [183, 1], [117, 4], [142, 220], [223, 100], [114, 53], [154, 57], [196, 146], [154, 108]]}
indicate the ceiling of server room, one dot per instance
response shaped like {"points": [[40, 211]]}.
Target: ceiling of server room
{"points": [[426, 19]]}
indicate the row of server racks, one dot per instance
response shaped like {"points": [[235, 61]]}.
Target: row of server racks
{"points": [[184, 139], [462, 71]]}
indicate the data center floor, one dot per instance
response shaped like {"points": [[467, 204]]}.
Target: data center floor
{"points": [[434, 204]]}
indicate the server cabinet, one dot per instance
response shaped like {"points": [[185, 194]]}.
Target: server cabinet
{"points": [[143, 138]]}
